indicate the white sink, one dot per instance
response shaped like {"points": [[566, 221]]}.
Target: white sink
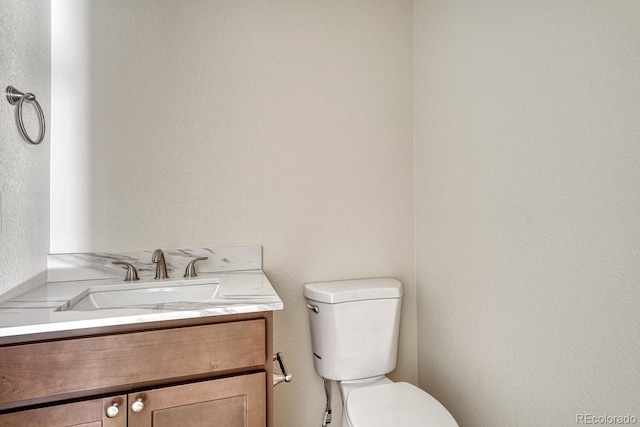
{"points": [[143, 295]]}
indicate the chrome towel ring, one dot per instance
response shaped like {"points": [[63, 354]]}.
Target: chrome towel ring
{"points": [[14, 95]]}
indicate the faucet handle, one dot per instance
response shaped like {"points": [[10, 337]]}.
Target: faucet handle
{"points": [[191, 267], [132, 273]]}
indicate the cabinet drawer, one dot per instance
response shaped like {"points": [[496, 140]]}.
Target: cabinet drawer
{"points": [[76, 366]]}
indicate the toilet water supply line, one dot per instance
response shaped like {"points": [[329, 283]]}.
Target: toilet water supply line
{"points": [[327, 412]]}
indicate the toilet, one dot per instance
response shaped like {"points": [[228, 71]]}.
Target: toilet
{"points": [[354, 337]]}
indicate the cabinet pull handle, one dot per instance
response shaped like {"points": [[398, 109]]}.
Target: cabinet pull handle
{"points": [[113, 411], [137, 406], [285, 376]]}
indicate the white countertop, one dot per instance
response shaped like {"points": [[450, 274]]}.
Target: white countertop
{"points": [[34, 312]]}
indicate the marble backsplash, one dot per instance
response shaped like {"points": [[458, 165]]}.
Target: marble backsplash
{"points": [[99, 265]]}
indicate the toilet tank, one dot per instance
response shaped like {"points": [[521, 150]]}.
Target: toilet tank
{"points": [[354, 327]]}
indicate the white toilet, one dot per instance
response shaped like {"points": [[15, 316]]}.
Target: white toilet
{"points": [[354, 333]]}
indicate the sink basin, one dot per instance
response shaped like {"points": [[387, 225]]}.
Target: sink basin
{"points": [[142, 295]]}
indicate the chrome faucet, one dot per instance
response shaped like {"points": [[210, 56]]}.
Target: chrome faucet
{"points": [[161, 264]]}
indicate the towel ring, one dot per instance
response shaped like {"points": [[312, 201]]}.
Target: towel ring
{"points": [[13, 96]]}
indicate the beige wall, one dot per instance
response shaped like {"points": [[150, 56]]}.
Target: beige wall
{"points": [[527, 124], [286, 124], [25, 62]]}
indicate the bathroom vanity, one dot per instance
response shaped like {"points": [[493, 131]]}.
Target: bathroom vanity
{"points": [[176, 363]]}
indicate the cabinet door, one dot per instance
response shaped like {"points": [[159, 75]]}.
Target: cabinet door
{"points": [[89, 413], [228, 402]]}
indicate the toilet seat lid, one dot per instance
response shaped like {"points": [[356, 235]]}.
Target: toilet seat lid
{"points": [[395, 404]]}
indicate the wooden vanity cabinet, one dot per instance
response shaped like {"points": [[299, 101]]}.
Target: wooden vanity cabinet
{"points": [[215, 371]]}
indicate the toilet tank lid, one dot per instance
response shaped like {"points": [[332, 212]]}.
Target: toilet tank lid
{"points": [[353, 290]]}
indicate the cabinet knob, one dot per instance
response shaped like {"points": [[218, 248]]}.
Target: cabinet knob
{"points": [[137, 406], [113, 411]]}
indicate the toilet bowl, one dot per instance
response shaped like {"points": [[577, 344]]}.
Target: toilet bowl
{"points": [[354, 334], [389, 404]]}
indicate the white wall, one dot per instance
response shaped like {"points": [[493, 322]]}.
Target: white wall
{"points": [[205, 123], [24, 168], [527, 125]]}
